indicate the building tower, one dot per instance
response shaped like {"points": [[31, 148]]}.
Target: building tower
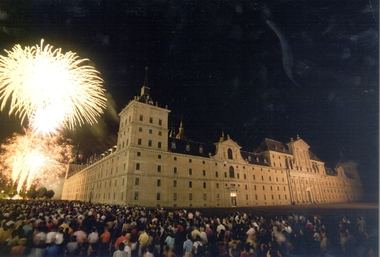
{"points": [[143, 123]]}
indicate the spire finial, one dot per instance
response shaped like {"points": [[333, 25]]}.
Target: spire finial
{"points": [[222, 138]]}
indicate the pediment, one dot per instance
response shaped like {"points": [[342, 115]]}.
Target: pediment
{"points": [[230, 143], [301, 144]]}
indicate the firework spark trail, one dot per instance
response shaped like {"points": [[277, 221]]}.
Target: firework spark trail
{"points": [[31, 157], [49, 88]]}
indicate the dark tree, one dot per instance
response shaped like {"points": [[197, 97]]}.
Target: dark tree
{"points": [[49, 194], [41, 192], [32, 193]]}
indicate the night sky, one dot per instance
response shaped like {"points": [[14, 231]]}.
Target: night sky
{"points": [[253, 69]]}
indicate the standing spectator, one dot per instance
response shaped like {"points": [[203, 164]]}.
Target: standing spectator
{"points": [[188, 247]]}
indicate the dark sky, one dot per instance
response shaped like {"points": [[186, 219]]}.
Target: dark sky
{"points": [[251, 68]]}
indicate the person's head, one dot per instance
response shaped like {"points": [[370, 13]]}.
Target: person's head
{"points": [[121, 246]]}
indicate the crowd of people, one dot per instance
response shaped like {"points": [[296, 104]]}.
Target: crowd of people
{"points": [[70, 229]]}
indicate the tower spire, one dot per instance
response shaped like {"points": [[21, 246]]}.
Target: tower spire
{"points": [[181, 131], [145, 90]]}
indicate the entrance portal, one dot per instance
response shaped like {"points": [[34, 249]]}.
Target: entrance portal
{"points": [[233, 198]]}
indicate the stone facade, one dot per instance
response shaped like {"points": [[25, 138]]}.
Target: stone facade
{"points": [[152, 167]]}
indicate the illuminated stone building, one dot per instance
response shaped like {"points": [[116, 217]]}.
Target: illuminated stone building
{"points": [[152, 166]]}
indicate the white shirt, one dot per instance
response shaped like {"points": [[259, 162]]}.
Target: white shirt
{"points": [[128, 250], [93, 237]]}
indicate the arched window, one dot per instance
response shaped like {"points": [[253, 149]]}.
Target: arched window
{"points": [[229, 154], [232, 172]]}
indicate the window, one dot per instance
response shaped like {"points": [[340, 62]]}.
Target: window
{"points": [[217, 185], [137, 166], [159, 168], [245, 176], [140, 129], [200, 149], [190, 160], [205, 197], [149, 142], [263, 187], [150, 120], [175, 170], [254, 187], [216, 174], [246, 187], [159, 156], [232, 172], [256, 197], [158, 197], [174, 183], [175, 158], [137, 181], [139, 141], [225, 174], [158, 182], [136, 196], [229, 154], [270, 178], [141, 118], [204, 184], [190, 184], [204, 173], [159, 122], [159, 145], [173, 146], [262, 178], [187, 148], [150, 131], [190, 196], [190, 172], [175, 196], [159, 133], [254, 177]]}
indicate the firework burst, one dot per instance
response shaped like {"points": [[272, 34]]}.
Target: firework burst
{"points": [[30, 157], [49, 88]]}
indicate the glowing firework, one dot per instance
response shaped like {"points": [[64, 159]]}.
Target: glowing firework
{"points": [[50, 88], [27, 158]]}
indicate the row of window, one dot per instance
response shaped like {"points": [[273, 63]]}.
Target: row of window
{"points": [[150, 131], [141, 118], [204, 196], [190, 183], [150, 143], [231, 172]]}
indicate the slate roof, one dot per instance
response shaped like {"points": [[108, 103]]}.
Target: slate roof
{"points": [[185, 146], [254, 158], [272, 145]]}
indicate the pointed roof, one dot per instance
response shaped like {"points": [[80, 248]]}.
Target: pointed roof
{"points": [[181, 131]]}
